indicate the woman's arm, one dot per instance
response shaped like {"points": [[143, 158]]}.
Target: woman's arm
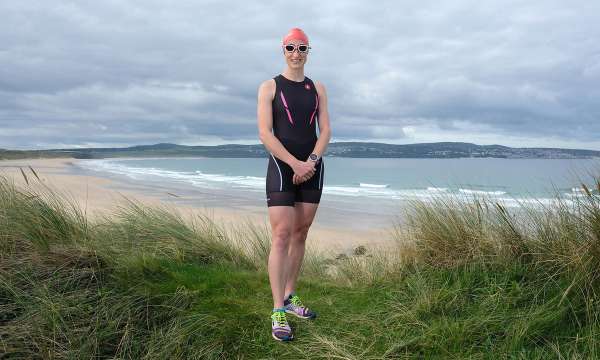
{"points": [[265, 124], [323, 121], [324, 129]]}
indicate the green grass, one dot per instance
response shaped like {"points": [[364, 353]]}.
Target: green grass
{"points": [[470, 280]]}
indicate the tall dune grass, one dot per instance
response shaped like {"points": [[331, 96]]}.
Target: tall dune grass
{"points": [[56, 267], [561, 240], [466, 279]]}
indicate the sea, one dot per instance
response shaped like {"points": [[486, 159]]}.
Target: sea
{"points": [[366, 190]]}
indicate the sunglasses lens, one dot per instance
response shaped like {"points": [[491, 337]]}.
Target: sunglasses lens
{"points": [[302, 48], [289, 48]]}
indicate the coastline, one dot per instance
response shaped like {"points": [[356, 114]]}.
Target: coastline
{"points": [[99, 195]]}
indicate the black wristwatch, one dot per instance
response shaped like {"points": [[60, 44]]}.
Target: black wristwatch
{"points": [[313, 157]]}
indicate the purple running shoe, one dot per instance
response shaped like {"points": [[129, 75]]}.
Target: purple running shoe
{"points": [[293, 305], [280, 329]]}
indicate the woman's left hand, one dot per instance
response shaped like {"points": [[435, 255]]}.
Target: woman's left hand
{"points": [[298, 180]]}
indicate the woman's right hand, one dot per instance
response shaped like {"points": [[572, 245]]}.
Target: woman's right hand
{"points": [[304, 168]]}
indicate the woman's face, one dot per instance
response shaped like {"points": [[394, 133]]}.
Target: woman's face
{"points": [[295, 59]]}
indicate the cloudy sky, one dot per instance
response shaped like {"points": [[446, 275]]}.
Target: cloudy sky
{"points": [[120, 73]]}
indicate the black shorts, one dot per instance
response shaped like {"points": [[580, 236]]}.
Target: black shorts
{"points": [[281, 191]]}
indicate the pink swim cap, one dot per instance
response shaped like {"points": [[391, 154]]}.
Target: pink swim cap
{"points": [[295, 34]]}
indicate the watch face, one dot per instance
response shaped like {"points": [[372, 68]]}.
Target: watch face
{"points": [[313, 157]]}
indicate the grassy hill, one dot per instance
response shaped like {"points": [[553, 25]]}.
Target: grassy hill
{"points": [[339, 149], [471, 281]]}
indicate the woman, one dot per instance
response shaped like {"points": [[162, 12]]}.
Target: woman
{"points": [[289, 108]]}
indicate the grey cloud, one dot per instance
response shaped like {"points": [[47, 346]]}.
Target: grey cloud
{"points": [[131, 72]]}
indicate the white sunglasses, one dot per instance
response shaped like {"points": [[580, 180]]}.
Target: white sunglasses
{"points": [[302, 48]]}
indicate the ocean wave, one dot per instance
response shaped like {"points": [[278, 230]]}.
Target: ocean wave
{"points": [[430, 193], [367, 190], [242, 181], [581, 190], [195, 178], [481, 192], [437, 189], [367, 185]]}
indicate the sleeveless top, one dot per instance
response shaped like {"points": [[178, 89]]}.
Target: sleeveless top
{"points": [[295, 111]]}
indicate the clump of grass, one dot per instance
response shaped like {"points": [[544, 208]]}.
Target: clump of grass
{"points": [[140, 230], [451, 232], [252, 243], [562, 238], [43, 217], [379, 265]]}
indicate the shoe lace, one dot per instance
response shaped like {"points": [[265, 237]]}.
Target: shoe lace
{"points": [[279, 317], [296, 301]]}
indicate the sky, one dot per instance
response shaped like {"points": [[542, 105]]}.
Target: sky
{"points": [[122, 73]]}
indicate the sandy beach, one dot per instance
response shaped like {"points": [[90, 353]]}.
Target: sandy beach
{"points": [[98, 196]]}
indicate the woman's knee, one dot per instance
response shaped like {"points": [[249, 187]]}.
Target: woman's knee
{"points": [[301, 230], [281, 237]]}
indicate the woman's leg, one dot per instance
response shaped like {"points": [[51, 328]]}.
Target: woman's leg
{"points": [[304, 213], [282, 221]]}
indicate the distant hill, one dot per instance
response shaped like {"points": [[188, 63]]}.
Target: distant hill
{"points": [[338, 149]]}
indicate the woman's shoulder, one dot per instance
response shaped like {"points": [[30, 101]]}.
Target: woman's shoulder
{"points": [[267, 84], [268, 87], [316, 82], [319, 86]]}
